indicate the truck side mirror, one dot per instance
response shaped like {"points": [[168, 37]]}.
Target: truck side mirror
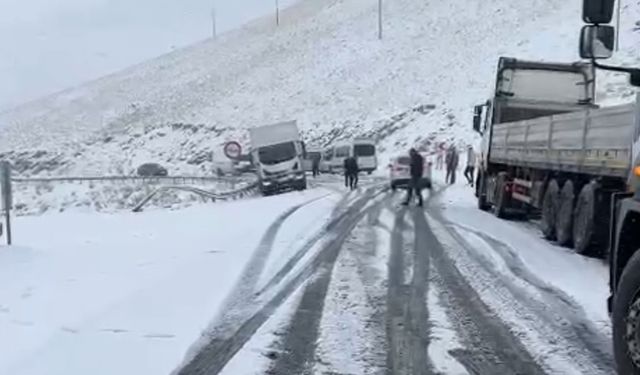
{"points": [[597, 11], [477, 118], [597, 41]]}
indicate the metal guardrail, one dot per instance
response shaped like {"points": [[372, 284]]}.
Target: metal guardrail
{"points": [[233, 194], [173, 179]]}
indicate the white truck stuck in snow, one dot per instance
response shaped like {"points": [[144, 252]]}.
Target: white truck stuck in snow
{"points": [[278, 153]]}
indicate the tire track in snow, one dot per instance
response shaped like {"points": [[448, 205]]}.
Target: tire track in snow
{"points": [[338, 216], [243, 292], [556, 312], [491, 347], [300, 342], [407, 315], [352, 336], [222, 345]]}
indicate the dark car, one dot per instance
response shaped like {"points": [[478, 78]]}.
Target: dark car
{"points": [[152, 170]]}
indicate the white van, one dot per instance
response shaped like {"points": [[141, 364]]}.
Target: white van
{"points": [[325, 162], [339, 152], [363, 149]]}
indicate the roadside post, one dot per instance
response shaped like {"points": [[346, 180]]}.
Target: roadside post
{"points": [[6, 196]]}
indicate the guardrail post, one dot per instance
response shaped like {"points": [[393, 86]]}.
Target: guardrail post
{"points": [[6, 195]]}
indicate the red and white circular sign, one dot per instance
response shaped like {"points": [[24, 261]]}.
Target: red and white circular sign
{"points": [[232, 150]]}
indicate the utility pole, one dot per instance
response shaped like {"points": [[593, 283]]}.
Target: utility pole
{"points": [[213, 21], [380, 19], [277, 13], [618, 25]]}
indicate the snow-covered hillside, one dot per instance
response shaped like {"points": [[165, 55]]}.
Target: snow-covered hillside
{"points": [[325, 68]]}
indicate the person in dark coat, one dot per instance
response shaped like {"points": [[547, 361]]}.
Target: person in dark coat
{"points": [[351, 171], [416, 169], [452, 161], [315, 166]]}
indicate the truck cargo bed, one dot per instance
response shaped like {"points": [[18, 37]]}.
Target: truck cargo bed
{"points": [[594, 141]]}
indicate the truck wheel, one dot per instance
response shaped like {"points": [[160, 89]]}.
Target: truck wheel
{"points": [[549, 210], [584, 217], [481, 192], [564, 220], [626, 319], [500, 207]]}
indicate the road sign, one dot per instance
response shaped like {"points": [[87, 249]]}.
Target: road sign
{"points": [[232, 150]]}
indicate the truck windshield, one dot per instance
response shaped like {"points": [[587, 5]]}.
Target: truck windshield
{"points": [[364, 150], [277, 153], [545, 85]]}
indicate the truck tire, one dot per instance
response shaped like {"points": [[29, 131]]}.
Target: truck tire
{"points": [[500, 207], [626, 319], [584, 221], [481, 192], [549, 210], [564, 220]]}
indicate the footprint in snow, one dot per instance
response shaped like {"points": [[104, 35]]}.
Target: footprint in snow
{"points": [[114, 330], [69, 330], [23, 323], [159, 336], [27, 293]]}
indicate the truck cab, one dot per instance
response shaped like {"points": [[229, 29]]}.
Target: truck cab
{"points": [[278, 153], [530, 89]]}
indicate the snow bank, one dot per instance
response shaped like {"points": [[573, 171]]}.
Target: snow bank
{"points": [[122, 293]]}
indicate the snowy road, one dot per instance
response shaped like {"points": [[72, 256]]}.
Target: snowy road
{"points": [[317, 282], [384, 289]]}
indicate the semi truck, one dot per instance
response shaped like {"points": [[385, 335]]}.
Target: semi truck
{"points": [[278, 152], [549, 152], [597, 42]]}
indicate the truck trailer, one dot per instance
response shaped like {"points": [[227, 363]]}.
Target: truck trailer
{"points": [[549, 152]]}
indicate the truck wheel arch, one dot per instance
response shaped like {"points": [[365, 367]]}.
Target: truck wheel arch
{"points": [[627, 241]]}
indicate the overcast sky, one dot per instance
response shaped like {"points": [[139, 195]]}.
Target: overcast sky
{"points": [[49, 45]]}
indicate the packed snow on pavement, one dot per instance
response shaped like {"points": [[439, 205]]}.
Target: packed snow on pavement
{"points": [[127, 293], [526, 254]]}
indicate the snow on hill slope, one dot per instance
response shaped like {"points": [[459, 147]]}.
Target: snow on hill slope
{"points": [[324, 67]]}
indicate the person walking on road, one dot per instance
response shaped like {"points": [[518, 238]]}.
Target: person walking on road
{"points": [[440, 156], [452, 161], [315, 166], [416, 169], [471, 165], [351, 171]]}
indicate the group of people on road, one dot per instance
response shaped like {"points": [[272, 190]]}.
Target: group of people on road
{"points": [[450, 159]]}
